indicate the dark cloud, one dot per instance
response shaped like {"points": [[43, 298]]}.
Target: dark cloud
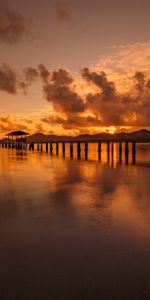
{"points": [[107, 106], [109, 112], [11, 81], [8, 79], [29, 76], [13, 26], [100, 80], [140, 81], [62, 77], [63, 98], [44, 73], [73, 121], [59, 93]]}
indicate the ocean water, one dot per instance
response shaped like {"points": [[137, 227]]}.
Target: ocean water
{"points": [[74, 229]]}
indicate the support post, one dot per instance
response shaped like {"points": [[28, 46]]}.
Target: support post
{"points": [[120, 153], [79, 150], [126, 147], [86, 150], [126, 152], [63, 149], [57, 148], [108, 146], [51, 148], [133, 153], [112, 152], [46, 147], [99, 147], [71, 150]]}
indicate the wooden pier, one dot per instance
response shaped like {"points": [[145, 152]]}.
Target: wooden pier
{"points": [[123, 148], [49, 147]]}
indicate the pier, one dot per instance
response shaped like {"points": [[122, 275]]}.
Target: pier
{"points": [[19, 140]]}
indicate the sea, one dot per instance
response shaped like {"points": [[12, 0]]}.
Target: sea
{"points": [[72, 228]]}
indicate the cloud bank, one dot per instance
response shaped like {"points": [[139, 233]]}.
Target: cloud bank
{"points": [[110, 94]]}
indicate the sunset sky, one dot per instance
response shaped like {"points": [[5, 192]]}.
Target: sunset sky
{"points": [[71, 67]]}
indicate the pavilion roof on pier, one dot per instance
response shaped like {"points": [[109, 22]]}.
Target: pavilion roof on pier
{"points": [[17, 133]]}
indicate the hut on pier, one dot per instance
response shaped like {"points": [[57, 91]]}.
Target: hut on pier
{"points": [[18, 138]]}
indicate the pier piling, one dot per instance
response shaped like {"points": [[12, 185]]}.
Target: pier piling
{"points": [[51, 148], [86, 150], [79, 150], [46, 147], [63, 149], [71, 150], [99, 147], [133, 153], [57, 148]]}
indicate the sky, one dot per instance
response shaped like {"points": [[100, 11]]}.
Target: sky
{"points": [[74, 67]]}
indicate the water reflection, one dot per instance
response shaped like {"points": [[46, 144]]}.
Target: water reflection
{"points": [[74, 229], [112, 154]]}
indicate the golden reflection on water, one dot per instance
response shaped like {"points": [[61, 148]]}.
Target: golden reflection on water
{"points": [[111, 157], [91, 188]]}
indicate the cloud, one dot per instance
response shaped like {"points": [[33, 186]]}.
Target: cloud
{"points": [[140, 81], [63, 98], [100, 80], [29, 123], [73, 121], [121, 62], [63, 14], [11, 81], [60, 94], [87, 103], [8, 79], [148, 84], [62, 77], [119, 109], [13, 27], [8, 124], [29, 76], [44, 73]]}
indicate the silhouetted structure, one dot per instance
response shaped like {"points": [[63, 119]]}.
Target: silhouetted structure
{"points": [[126, 148], [17, 139]]}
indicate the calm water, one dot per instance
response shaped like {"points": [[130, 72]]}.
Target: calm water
{"points": [[74, 229]]}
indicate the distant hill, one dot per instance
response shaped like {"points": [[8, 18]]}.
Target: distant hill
{"points": [[141, 135]]}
